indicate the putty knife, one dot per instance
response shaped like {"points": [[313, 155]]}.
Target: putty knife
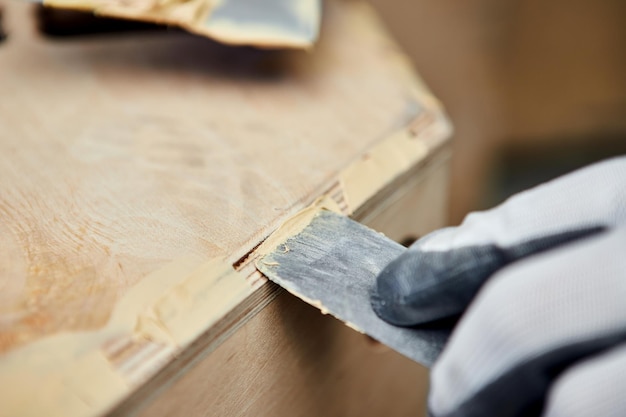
{"points": [[332, 264]]}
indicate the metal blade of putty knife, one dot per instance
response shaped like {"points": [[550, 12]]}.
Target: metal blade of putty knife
{"points": [[332, 264]]}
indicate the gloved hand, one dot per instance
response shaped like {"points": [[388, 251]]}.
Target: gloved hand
{"points": [[540, 282]]}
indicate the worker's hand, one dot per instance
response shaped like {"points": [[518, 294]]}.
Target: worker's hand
{"points": [[544, 276]]}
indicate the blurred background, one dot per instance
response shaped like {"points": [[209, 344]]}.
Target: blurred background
{"points": [[534, 88]]}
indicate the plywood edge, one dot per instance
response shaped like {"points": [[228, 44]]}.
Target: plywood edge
{"points": [[85, 373], [215, 381], [433, 136]]}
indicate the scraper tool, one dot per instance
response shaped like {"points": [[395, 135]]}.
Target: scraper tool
{"points": [[332, 264]]}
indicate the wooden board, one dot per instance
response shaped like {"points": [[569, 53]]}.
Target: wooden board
{"points": [[290, 360], [141, 172]]}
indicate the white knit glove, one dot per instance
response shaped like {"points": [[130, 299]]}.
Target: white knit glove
{"points": [[544, 276]]}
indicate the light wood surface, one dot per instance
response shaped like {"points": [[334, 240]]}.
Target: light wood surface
{"points": [[140, 172], [276, 365]]}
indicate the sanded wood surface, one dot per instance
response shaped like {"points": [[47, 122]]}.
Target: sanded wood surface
{"points": [[140, 171]]}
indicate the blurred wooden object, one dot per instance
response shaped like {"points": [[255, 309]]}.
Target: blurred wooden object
{"points": [[140, 173], [272, 24], [517, 75]]}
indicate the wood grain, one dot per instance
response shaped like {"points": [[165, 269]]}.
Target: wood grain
{"points": [[125, 156], [275, 366]]}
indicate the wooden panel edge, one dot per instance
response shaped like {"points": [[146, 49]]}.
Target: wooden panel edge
{"points": [[426, 192], [435, 162], [144, 335], [163, 315]]}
